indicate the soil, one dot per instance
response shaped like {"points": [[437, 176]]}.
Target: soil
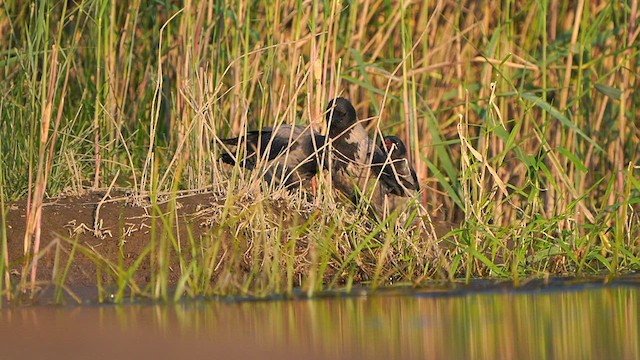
{"points": [[107, 233], [122, 228]]}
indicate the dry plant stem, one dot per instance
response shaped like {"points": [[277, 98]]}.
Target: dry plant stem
{"points": [[622, 119], [6, 274], [34, 217], [96, 139], [156, 110], [3, 242], [50, 157], [564, 94], [97, 226], [572, 46]]}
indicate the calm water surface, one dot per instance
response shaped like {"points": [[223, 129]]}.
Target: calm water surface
{"points": [[599, 322]]}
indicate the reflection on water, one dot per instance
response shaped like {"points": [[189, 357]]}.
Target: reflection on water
{"points": [[596, 322]]}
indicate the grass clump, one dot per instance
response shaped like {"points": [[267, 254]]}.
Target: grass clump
{"points": [[521, 119]]}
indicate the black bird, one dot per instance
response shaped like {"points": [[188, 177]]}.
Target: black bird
{"points": [[358, 167], [405, 174], [292, 154]]}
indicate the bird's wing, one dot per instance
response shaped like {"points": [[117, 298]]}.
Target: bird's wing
{"points": [[383, 168]]}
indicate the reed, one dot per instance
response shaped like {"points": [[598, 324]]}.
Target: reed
{"points": [[521, 116]]}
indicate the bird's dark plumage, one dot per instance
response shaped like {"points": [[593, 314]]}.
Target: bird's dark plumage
{"points": [[356, 162], [291, 154], [397, 151], [405, 175]]}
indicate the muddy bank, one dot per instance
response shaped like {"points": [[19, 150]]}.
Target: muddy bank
{"points": [[120, 233], [257, 245]]}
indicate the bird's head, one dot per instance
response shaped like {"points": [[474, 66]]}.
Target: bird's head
{"points": [[394, 146], [340, 115]]}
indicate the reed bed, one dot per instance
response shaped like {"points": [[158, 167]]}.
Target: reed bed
{"points": [[521, 116]]}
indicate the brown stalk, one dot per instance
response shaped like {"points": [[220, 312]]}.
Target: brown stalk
{"points": [[4, 249], [34, 218], [574, 39], [564, 95], [622, 119], [96, 138]]}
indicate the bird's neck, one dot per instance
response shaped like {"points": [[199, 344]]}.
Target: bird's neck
{"points": [[357, 134]]}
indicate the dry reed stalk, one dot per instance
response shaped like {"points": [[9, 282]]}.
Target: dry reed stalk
{"points": [[157, 102], [621, 162], [269, 62], [4, 250], [34, 215]]}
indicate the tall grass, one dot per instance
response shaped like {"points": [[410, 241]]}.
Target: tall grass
{"points": [[522, 119]]}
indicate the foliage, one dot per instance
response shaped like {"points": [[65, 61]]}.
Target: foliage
{"points": [[521, 118]]}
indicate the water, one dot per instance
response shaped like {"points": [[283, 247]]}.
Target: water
{"points": [[579, 322]]}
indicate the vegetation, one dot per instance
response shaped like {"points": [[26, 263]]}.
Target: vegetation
{"points": [[521, 117]]}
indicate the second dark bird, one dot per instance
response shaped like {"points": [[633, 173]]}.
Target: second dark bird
{"points": [[358, 167], [404, 173]]}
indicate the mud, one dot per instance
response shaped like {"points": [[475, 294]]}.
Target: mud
{"points": [[120, 232], [109, 238]]}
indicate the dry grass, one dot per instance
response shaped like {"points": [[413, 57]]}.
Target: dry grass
{"points": [[521, 117]]}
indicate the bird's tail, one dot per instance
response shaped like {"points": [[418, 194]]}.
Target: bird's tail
{"points": [[250, 139]]}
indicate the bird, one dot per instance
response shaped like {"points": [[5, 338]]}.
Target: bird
{"points": [[397, 152], [404, 173], [357, 165], [291, 154]]}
